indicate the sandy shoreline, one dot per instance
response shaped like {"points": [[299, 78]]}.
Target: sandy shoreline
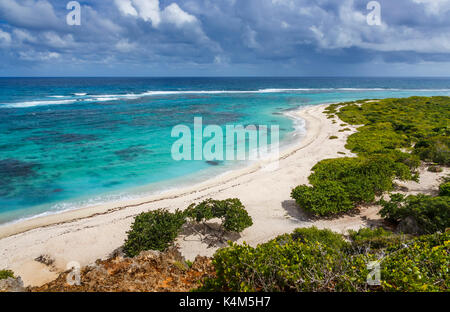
{"points": [[86, 235]]}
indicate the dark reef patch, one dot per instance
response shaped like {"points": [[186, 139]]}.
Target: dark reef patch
{"points": [[131, 153], [73, 137], [213, 162], [13, 168], [48, 137], [13, 171], [112, 183]]}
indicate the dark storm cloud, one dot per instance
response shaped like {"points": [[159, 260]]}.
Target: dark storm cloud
{"points": [[177, 37]]}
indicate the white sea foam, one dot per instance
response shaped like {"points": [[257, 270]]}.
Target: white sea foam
{"points": [[130, 96], [102, 99], [37, 103]]}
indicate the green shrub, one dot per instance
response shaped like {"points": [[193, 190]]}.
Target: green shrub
{"points": [[410, 160], [431, 214], [325, 198], [396, 123], [4, 274], [333, 137], [286, 265], [309, 260], [231, 211], [435, 169], [434, 149], [313, 234], [154, 230], [374, 239], [362, 178], [422, 266], [391, 126], [444, 189], [368, 233], [376, 138], [339, 184]]}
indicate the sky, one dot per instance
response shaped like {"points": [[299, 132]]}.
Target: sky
{"points": [[225, 38]]}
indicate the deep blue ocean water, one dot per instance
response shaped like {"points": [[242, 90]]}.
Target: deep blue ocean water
{"points": [[71, 142]]}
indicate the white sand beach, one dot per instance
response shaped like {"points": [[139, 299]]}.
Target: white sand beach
{"points": [[85, 235]]}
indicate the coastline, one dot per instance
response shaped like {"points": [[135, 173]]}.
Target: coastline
{"points": [[88, 234]]}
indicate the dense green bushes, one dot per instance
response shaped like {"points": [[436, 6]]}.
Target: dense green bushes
{"points": [[286, 264], [313, 234], [340, 184], [231, 211], [4, 274], [421, 122], [444, 189], [157, 230], [377, 138], [375, 239], [323, 199], [365, 234], [314, 260], [427, 214], [154, 230], [422, 266], [391, 128], [319, 262], [434, 149]]}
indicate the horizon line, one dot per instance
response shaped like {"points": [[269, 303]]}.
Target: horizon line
{"points": [[225, 76]]}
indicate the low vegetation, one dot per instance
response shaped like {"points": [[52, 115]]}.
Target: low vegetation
{"points": [[154, 230], [158, 229], [396, 135], [423, 214], [317, 260], [338, 185], [418, 124], [444, 189], [231, 212], [4, 274]]}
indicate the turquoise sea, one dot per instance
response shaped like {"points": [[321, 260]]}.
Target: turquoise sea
{"points": [[66, 143]]}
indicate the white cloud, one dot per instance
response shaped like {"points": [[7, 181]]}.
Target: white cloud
{"points": [[175, 15], [349, 29], [54, 40], [435, 7], [249, 37], [38, 56], [23, 36], [126, 7], [149, 11], [125, 46], [5, 38], [221, 60], [31, 13]]}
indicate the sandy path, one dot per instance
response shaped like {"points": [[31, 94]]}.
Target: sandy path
{"points": [[89, 234]]}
